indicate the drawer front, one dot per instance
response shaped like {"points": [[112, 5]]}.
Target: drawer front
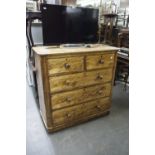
{"points": [[81, 95], [67, 115], [80, 111], [68, 82], [65, 65], [99, 61], [96, 107]]}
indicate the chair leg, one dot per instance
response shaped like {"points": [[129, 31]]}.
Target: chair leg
{"points": [[114, 82], [125, 80], [124, 88]]}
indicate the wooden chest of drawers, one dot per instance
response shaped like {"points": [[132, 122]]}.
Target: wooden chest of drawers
{"points": [[74, 84]]}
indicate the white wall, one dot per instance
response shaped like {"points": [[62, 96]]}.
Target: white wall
{"points": [[124, 3], [88, 2], [37, 33], [95, 2], [53, 1]]}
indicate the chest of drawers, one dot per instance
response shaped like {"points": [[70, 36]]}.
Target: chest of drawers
{"points": [[74, 84]]}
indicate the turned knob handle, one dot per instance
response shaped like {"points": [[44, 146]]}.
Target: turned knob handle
{"points": [[67, 66], [98, 107], [67, 82], [101, 61], [100, 77], [100, 92], [68, 115], [68, 99]]}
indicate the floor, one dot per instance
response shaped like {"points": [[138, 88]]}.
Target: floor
{"points": [[107, 135]]}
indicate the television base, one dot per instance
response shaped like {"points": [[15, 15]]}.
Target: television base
{"points": [[79, 45], [73, 45]]}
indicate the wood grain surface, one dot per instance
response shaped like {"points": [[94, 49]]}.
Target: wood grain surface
{"points": [[83, 110], [65, 65], [74, 84], [69, 98], [56, 50], [77, 80], [99, 61]]}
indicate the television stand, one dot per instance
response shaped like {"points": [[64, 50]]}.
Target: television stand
{"points": [[66, 76]]}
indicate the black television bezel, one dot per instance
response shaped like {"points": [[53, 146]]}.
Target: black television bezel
{"points": [[48, 44]]}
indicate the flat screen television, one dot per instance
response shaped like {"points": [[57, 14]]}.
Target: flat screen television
{"points": [[69, 25]]}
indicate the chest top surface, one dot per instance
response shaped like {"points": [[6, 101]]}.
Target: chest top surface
{"points": [[53, 50]]}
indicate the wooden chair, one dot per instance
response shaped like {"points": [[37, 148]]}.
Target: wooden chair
{"points": [[30, 17], [122, 70]]}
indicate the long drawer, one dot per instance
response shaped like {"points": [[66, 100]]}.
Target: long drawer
{"points": [[68, 82], [74, 97], [81, 111], [96, 107], [99, 61], [65, 65]]}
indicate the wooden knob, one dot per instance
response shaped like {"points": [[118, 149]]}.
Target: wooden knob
{"points": [[100, 92], [100, 77], [68, 115], [68, 99], [67, 66], [101, 61], [98, 107], [67, 82]]}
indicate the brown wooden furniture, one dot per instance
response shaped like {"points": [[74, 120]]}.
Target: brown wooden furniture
{"points": [[68, 2], [123, 38], [74, 84], [122, 71], [108, 24]]}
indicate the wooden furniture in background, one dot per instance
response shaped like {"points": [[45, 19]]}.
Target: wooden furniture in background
{"points": [[74, 84], [68, 2], [31, 76], [122, 18], [108, 24], [122, 71], [123, 38]]}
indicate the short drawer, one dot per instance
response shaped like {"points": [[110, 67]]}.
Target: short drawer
{"points": [[68, 82], [74, 97], [99, 61], [67, 115], [96, 107], [65, 65]]}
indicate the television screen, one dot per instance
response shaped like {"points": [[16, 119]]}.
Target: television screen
{"points": [[65, 24]]}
